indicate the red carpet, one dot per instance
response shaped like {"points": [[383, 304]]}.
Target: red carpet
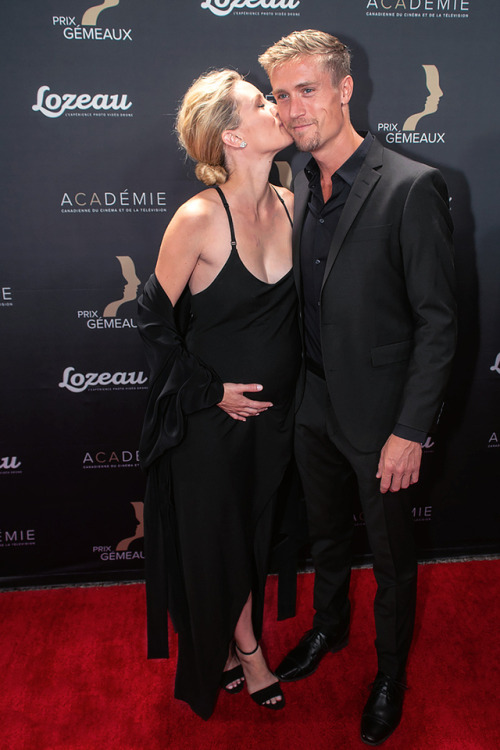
{"points": [[74, 674]]}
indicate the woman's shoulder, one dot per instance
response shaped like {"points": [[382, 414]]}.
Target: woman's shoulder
{"points": [[195, 217], [195, 224], [199, 208]]}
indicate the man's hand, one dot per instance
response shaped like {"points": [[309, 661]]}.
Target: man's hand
{"points": [[399, 464], [239, 406]]}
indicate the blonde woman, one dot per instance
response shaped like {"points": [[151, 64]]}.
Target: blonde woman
{"points": [[217, 434]]}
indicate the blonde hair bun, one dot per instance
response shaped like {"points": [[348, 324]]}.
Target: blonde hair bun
{"points": [[210, 175]]}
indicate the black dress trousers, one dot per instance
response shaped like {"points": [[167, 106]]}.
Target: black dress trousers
{"points": [[332, 471]]}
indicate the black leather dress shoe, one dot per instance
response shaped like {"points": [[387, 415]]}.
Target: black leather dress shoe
{"points": [[383, 710], [304, 659]]}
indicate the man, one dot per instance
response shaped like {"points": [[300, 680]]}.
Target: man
{"points": [[373, 265]]}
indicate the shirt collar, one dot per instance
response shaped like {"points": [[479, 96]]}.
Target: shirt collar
{"points": [[348, 171]]}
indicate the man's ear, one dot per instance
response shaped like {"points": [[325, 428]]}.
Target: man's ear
{"points": [[346, 87]]}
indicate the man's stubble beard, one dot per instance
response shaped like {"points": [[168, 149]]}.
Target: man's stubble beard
{"points": [[309, 144]]}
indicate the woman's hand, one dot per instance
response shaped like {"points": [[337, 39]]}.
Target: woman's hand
{"points": [[237, 405]]}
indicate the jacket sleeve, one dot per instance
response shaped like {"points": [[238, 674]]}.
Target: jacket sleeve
{"points": [[180, 383], [427, 252]]}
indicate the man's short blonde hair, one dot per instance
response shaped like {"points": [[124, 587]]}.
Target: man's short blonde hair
{"points": [[335, 56]]}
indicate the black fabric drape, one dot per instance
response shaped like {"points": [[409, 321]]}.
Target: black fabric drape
{"points": [[180, 384]]}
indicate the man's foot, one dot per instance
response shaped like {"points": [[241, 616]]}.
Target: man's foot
{"points": [[263, 687], [383, 709], [304, 659]]}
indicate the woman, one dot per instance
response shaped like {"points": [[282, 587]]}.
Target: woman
{"points": [[216, 457]]}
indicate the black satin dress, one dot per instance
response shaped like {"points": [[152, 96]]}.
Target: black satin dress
{"points": [[212, 492]]}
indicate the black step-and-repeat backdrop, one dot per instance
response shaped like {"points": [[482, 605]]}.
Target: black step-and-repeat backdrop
{"points": [[91, 174]]}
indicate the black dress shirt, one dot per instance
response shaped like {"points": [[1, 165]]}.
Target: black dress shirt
{"points": [[320, 223]]}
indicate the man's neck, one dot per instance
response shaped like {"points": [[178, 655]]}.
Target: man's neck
{"points": [[332, 155]]}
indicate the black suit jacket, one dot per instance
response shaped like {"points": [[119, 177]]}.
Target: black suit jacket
{"points": [[387, 302]]}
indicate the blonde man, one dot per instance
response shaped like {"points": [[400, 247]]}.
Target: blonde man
{"points": [[372, 255]]}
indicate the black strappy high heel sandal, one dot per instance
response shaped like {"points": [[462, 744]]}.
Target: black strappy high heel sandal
{"points": [[271, 691], [231, 675]]}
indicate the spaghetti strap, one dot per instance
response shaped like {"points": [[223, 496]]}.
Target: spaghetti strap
{"points": [[284, 205], [230, 218]]}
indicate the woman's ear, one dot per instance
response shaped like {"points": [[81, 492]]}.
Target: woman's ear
{"points": [[231, 139]]}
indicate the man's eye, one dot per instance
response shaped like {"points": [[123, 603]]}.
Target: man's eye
{"points": [[281, 97], [307, 91]]}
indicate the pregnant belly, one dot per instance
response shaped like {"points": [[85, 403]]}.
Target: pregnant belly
{"points": [[274, 367]]}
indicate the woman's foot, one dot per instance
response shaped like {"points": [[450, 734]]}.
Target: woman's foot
{"points": [[263, 686], [232, 679]]}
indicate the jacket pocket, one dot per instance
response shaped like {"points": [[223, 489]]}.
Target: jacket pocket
{"points": [[391, 353]]}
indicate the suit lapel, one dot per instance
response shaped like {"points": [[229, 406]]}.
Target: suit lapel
{"points": [[368, 176]]}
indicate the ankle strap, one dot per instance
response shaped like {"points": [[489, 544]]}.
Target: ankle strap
{"points": [[247, 653]]}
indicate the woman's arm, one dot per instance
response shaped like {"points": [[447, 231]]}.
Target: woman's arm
{"points": [[181, 248]]}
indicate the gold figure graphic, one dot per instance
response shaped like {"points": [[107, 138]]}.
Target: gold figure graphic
{"points": [[130, 288], [139, 532], [432, 101], [91, 15]]}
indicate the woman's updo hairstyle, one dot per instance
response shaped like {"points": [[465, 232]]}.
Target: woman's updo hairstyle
{"points": [[208, 108]]}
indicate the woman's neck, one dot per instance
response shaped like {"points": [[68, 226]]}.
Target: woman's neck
{"points": [[248, 185]]}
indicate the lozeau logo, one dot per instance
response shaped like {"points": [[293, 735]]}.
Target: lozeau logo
{"points": [[428, 445], [77, 382], [10, 464], [496, 366], [225, 7], [54, 105]]}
